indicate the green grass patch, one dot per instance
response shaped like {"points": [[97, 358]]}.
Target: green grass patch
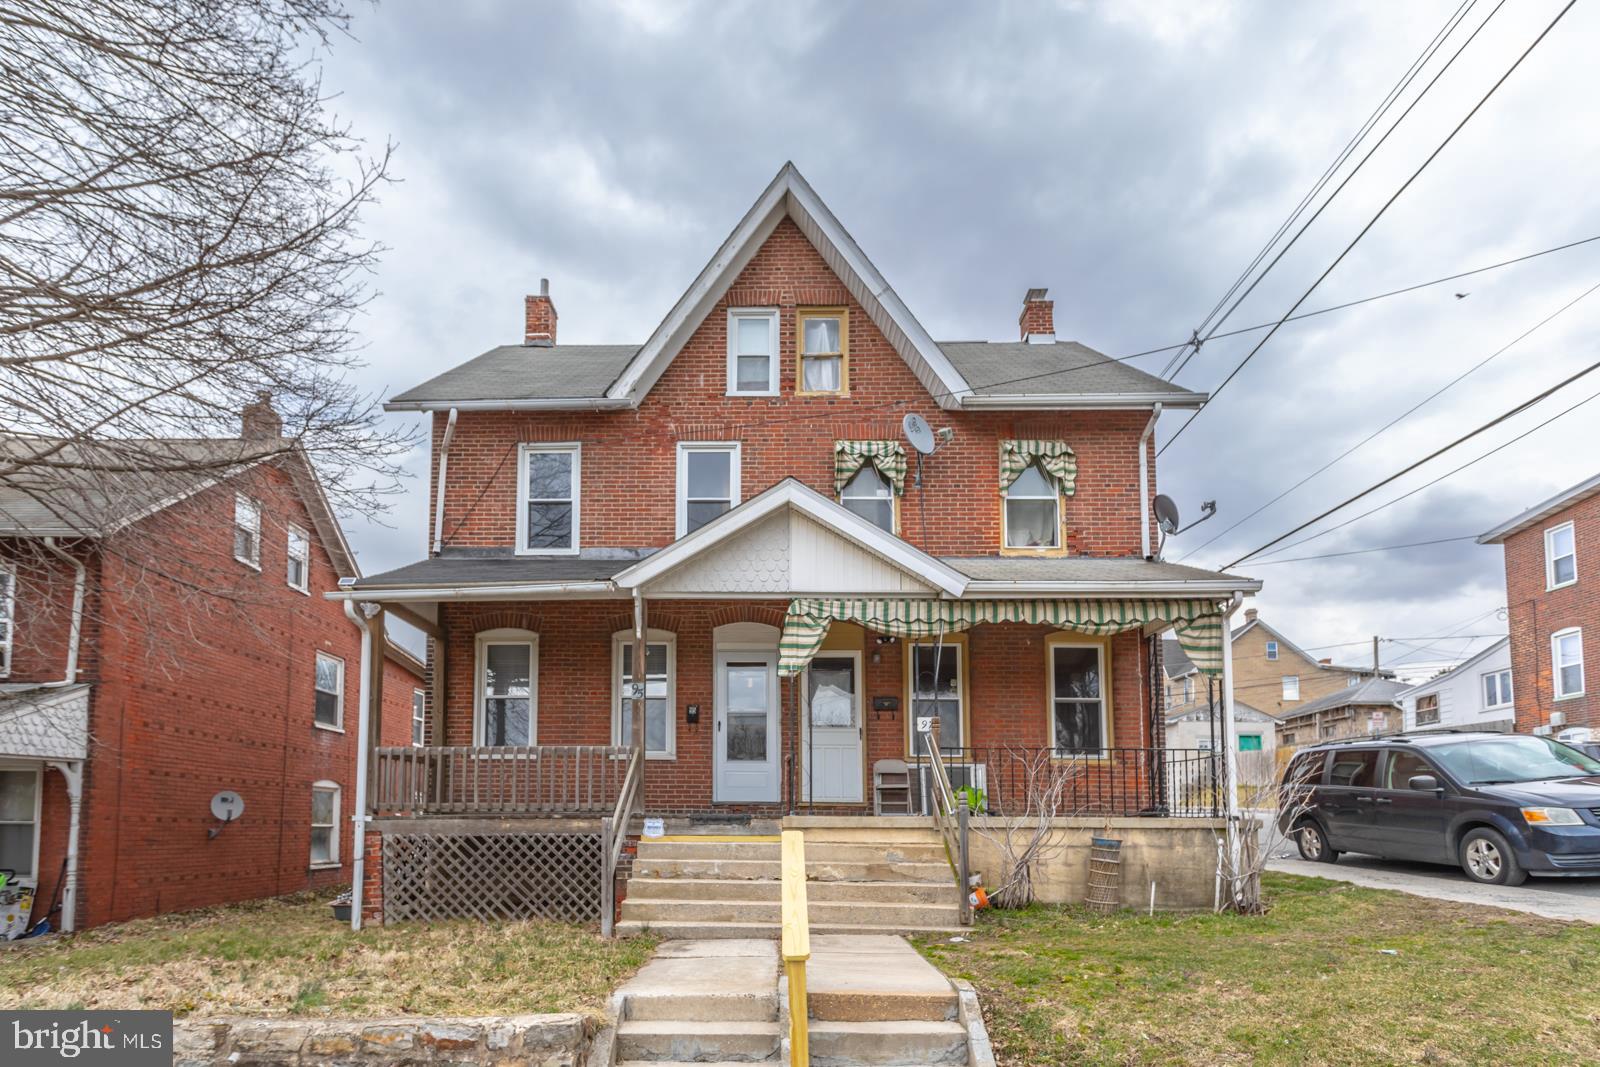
{"points": [[289, 957], [1308, 983]]}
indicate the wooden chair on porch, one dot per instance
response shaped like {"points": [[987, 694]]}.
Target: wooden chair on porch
{"points": [[891, 787]]}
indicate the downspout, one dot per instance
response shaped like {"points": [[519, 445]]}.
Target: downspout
{"points": [[358, 843], [444, 472], [1144, 480], [1230, 748], [72, 771], [79, 581]]}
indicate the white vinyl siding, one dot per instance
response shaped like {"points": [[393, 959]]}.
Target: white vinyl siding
{"points": [[549, 499], [753, 352], [708, 482], [325, 824], [1560, 556]]}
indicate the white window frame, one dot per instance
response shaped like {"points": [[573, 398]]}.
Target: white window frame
{"points": [[338, 725], [1005, 514], [419, 717], [1503, 687], [894, 501], [37, 770], [1550, 559], [575, 449], [621, 658], [774, 346], [290, 533], [333, 860], [243, 503], [1556, 664], [480, 694], [1290, 681], [957, 649], [1105, 696], [1416, 711], [1272, 650], [8, 614], [735, 454]]}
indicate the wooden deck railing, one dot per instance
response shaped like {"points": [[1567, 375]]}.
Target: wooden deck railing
{"points": [[503, 780]]}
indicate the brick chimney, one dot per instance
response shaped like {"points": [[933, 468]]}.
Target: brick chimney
{"points": [[541, 318], [1250, 615], [258, 422], [1038, 319]]}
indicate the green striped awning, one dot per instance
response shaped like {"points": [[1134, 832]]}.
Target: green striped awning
{"points": [[1054, 456], [1197, 623], [888, 456]]}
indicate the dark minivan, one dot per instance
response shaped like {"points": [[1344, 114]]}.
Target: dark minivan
{"points": [[1503, 806]]}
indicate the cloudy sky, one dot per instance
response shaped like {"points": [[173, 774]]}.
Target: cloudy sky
{"points": [[1133, 157]]}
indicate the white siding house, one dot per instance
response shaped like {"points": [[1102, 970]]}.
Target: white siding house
{"points": [[1476, 695]]}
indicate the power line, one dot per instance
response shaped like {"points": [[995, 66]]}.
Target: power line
{"points": [[1380, 213], [1400, 417], [1364, 551]]}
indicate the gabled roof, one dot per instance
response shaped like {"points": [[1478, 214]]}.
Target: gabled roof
{"points": [[1455, 672], [1374, 692], [1175, 661], [1541, 511]]}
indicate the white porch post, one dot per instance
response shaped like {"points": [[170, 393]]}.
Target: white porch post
{"points": [[358, 843], [1230, 747], [72, 771]]}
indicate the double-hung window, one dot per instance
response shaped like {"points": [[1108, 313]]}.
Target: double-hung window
{"points": [[1560, 556], [325, 824], [1291, 687], [869, 494], [19, 820], [1077, 698], [329, 710], [247, 531], [1566, 662], [659, 657], [1428, 709], [824, 357], [937, 692], [1497, 689], [708, 482], [1033, 510], [1188, 688], [548, 505], [507, 689], [8, 619], [753, 352], [299, 566], [419, 715], [1272, 650]]}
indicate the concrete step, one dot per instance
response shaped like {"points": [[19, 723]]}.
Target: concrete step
{"points": [[846, 1044], [866, 828], [822, 913], [880, 870], [687, 1041], [865, 851], [710, 931], [940, 892], [876, 979]]}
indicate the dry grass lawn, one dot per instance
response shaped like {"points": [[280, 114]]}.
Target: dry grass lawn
{"points": [[288, 957], [1334, 974]]}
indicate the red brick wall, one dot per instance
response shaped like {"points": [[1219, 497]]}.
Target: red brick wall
{"points": [[629, 458], [1537, 612]]}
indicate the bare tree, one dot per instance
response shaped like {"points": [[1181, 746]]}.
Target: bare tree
{"points": [[1272, 805], [1024, 829]]}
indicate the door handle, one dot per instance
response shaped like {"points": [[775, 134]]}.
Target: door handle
{"points": [[1382, 800], [1363, 800]]}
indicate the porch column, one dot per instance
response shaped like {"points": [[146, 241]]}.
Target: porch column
{"points": [[72, 771], [639, 687], [1230, 748]]}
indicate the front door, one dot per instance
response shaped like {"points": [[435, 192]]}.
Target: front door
{"points": [[746, 747], [832, 729]]}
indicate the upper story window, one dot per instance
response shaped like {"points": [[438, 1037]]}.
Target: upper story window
{"points": [[753, 352], [1033, 511], [1497, 689], [8, 618], [548, 482], [708, 482], [1566, 662], [419, 715], [824, 357], [507, 688], [870, 495], [869, 477], [247, 531], [299, 555], [1272, 650], [328, 712], [1428, 709], [1560, 556], [1291, 687], [1188, 688]]}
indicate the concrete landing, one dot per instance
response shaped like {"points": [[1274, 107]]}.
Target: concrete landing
{"points": [[874, 978]]}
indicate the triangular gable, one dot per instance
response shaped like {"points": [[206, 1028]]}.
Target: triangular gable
{"points": [[814, 521], [790, 196]]}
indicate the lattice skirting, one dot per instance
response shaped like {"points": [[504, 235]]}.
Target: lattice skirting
{"points": [[490, 876]]}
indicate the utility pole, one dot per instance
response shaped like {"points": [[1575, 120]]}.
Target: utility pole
{"points": [[1375, 667]]}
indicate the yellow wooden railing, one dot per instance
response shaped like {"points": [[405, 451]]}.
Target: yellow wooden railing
{"points": [[796, 944]]}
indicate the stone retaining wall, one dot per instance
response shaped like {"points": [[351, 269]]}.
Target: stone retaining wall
{"points": [[504, 1041]]}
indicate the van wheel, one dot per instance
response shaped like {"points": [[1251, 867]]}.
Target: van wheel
{"points": [[1487, 857], [1313, 843]]}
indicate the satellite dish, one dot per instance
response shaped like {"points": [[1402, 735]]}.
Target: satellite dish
{"points": [[1166, 514], [919, 433], [227, 805]]}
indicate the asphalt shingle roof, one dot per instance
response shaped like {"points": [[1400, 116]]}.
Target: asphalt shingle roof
{"points": [[1011, 368], [1079, 569], [1373, 691], [500, 569], [526, 372]]}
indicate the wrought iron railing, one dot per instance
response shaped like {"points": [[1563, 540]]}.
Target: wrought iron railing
{"points": [[499, 780], [1002, 780]]}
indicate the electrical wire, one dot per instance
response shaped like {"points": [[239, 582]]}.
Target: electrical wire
{"points": [[1364, 551]]}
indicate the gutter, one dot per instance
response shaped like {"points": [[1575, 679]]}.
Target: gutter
{"points": [[358, 843], [478, 592], [1083, 402], [542, 403], [444, 474], [1145, 589], [1144, 482], [79, 581]]}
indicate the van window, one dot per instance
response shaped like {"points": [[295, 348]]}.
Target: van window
{"points": [[1306, 769], [1354, 767], [1402, 767]]}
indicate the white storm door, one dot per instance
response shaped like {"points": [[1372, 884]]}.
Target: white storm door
{"points": [[746, 746], [831, 730]]}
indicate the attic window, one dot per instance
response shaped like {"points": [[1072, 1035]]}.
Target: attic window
{"points": [[1272, 650], [824, 347], [247, 531], [753, 352]]}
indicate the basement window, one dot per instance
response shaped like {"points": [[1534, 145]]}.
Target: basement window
{"points": [[247, 531]]}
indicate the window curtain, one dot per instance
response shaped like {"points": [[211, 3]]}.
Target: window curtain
{"points": [[888, 456], [1055, 457]]}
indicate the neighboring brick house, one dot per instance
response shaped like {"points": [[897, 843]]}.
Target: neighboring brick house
{"points": [[1552, 556], [162, 640], [810, 585]]}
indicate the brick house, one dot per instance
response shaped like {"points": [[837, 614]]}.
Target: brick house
{"points": [[1551, 556], [164, 642], [733, 505]]}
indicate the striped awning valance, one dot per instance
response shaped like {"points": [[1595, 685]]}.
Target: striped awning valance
{"points": [[889, 457], [1055, 457], [1197, 623]]}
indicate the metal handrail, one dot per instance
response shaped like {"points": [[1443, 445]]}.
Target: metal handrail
{"points": [[796, 945], [952, 827], [614, 835]]}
